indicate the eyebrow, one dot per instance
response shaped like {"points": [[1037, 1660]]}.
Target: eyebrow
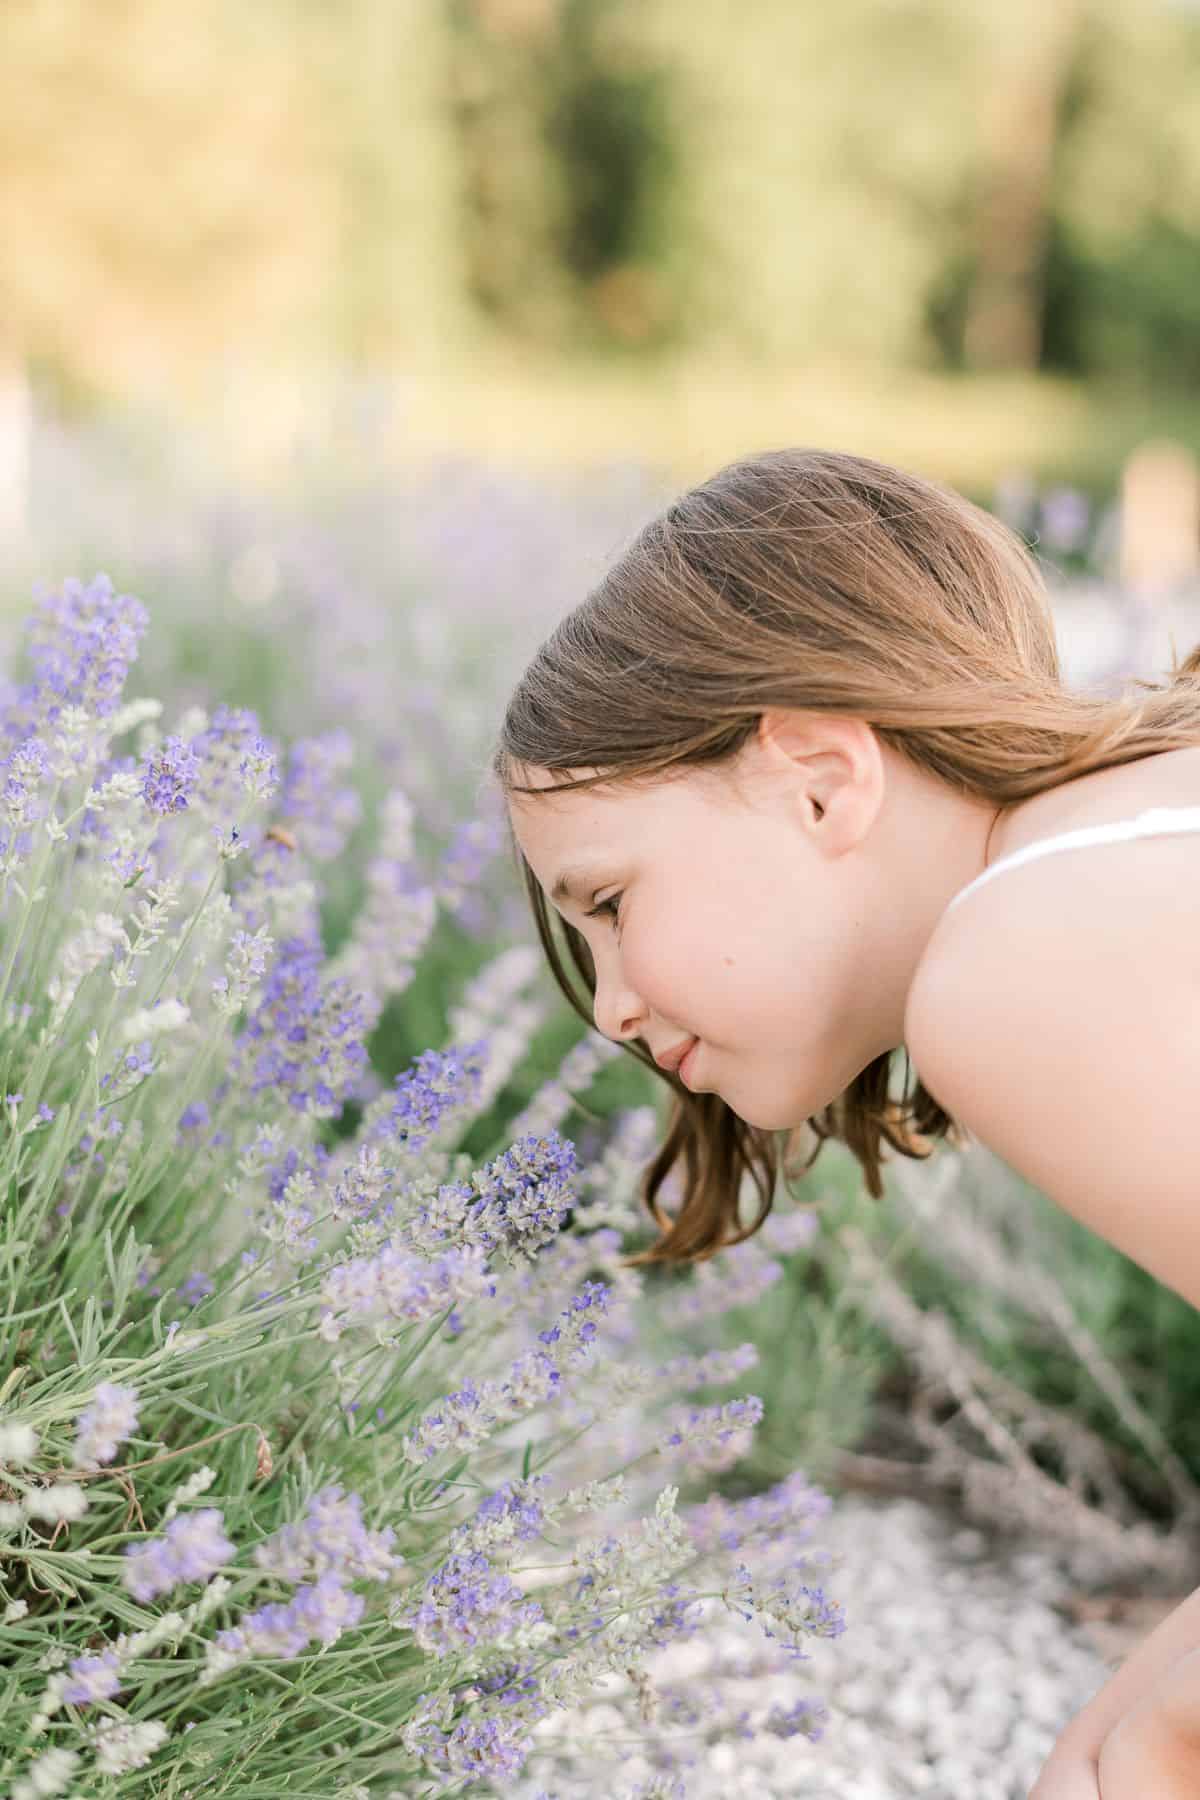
{"points": [[568, 884]]}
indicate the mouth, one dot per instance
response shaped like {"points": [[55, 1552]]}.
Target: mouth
{"points": [[673, 1058], [687, 1067]]}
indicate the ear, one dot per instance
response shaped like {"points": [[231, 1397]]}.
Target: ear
{"points": [[835, 764]]}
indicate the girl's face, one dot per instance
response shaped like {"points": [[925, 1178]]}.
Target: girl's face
{"points": [[731, 906]]}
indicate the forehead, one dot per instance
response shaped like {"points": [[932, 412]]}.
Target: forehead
{"points": [[551, 820], [579, 827], [568, 836]]}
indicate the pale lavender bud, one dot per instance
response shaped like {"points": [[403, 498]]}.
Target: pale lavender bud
{"points": [[714, 1437], [124, 1744], [95, 1678], [331, 1539], [193, 1548], [396, 1284], [108, 1421]]}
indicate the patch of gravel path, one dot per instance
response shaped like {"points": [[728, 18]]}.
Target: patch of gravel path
{"points": [[954, 1676]]}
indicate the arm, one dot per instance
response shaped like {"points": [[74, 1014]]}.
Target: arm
{"points": [[1132, 1692], [1017, 1045], [1155, 1748]]}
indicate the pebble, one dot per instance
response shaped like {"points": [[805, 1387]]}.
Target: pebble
{"points": [[954, 1676]]}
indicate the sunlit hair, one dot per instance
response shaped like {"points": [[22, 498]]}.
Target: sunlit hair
{"points": [[827, 582]]}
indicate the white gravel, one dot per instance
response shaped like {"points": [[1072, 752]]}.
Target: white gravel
{"points": [[954, 1676]]}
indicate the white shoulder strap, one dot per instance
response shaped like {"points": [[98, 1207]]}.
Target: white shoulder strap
{"points": [[1157, 821]]}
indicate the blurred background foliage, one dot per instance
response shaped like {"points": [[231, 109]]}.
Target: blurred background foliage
{"points": [[565, 212]]}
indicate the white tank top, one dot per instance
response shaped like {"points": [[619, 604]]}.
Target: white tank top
{"points": [[1157, 821]]}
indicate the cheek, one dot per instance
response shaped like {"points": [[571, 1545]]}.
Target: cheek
{"points": [[663, 972], [713, 988]]}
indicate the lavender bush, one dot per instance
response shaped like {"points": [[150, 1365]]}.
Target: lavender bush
{"points": [[330, 1462]]}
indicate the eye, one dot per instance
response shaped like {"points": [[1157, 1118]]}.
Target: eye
{"points": [[611, 907]]}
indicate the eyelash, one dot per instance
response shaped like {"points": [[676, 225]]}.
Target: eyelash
{"points": [[611, 907]]}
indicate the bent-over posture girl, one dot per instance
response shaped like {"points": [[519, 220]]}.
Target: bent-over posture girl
{"points": [[805, 786]]}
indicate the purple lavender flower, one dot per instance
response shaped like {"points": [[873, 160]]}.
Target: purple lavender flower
{"points": [[489, 1748], [24, 770], [512, 1512], [331, 1539], [515, 1204], [714, 1437], [466, 1418], [526, 1193], [466, 1603], [193, 1548], [325, 1609], [577, 1327], [513, 1684], [738, 1278], [462, 1419], [107, 1422], [235, 760], [139, 1060], [805, 1716], [399, 1285], [273, 1630], [787, 1609], [788, 1512], [359, 1189], [82, 643], [322, 1611], [96, 1678], [472, 847], [319, 810], [398, 913], [246, 960], [314, 1161], [677, 1618], [440, 1082], [278, 1629], [304, 1039], [170, 775]]}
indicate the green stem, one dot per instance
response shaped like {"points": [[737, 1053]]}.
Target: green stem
{"points": [[182, 945], [45, 851]]}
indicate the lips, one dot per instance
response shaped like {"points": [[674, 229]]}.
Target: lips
{"points": [[671, 1059]]}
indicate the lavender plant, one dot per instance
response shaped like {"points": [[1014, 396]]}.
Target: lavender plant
{"points": [[329, 1464]]}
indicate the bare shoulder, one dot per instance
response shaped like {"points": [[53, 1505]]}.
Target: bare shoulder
{"points": [[1056, 1016]]}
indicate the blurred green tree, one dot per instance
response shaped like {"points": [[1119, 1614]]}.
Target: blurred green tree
{"points": [[913, 183], [163, 195], [561, 111]]}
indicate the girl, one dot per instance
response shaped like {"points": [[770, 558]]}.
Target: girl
{"points": [[767, 773]]}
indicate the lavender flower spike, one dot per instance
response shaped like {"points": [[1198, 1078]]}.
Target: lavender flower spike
{"points": [[513, 1206], [82, 643], [714, 1437], [195, 1547], [96, 1678], [107, 1422], [170, 776], [395, 1284], [331, 1539], [465, 1604]]}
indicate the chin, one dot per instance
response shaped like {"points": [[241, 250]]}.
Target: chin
{"points": [[766, 1117], [786, 1113]]}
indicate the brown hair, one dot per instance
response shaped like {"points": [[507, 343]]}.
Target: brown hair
{"points": [[824, 581]]}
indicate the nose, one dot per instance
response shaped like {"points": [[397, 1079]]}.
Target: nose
{"points": [[618, 1012]]}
